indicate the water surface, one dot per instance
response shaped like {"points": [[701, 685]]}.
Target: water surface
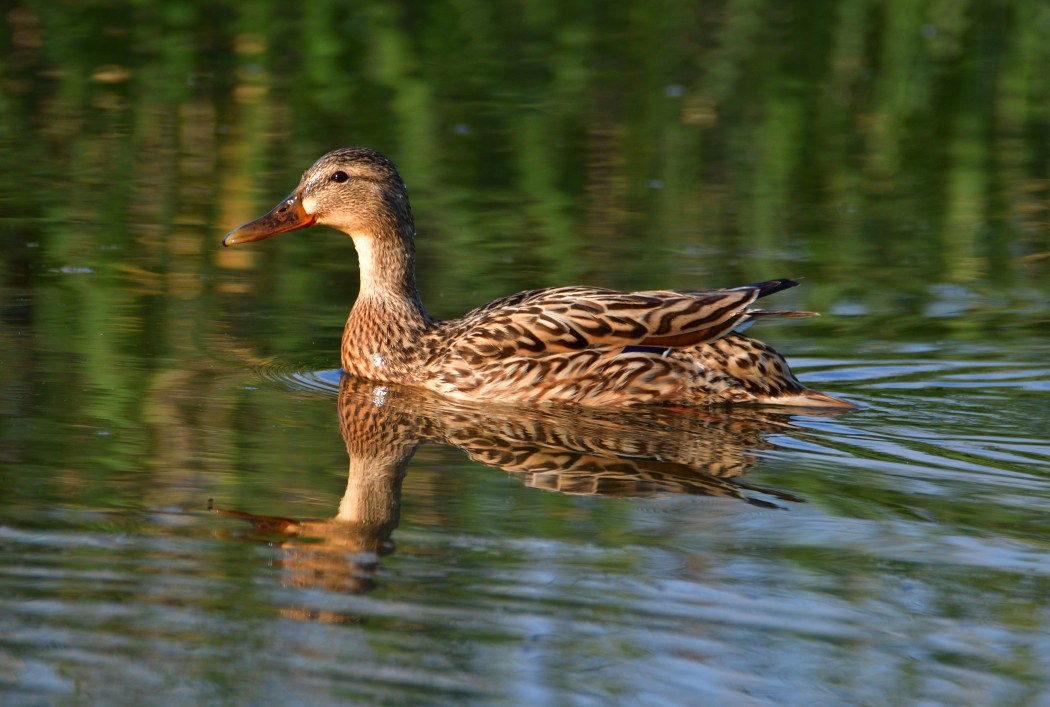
{"points": [[197, 509]]}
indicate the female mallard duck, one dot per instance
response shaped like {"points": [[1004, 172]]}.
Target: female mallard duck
{"points": [[582, 345]]}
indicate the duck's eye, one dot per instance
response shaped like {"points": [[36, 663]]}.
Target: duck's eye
{"points": [[339, 176]]}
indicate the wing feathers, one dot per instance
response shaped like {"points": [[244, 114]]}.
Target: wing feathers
{"points": [[542, 322]]}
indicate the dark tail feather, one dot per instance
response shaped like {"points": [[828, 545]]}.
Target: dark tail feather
{"points": [[770, 287]]}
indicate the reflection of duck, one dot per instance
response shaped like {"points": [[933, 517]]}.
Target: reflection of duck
{"points": [[632, 453], [590, 451], [585, 345]]}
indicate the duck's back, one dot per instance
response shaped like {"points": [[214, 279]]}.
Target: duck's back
{"points": [[599, 347]]}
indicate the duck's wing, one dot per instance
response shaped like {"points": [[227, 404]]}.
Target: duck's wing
{"points": [[541, 322]]}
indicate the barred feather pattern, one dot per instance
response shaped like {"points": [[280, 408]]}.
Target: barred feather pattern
{"points": [[589, 346], [599, 347]]}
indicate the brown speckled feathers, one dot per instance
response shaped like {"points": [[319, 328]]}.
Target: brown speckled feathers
{"points": [[582, 345]]}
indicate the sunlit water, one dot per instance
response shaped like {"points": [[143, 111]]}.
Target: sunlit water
{"points": [[195, 509], [902, 556]]}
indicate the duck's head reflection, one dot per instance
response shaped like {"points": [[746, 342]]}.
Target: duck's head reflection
{"points": [[576, 451]]}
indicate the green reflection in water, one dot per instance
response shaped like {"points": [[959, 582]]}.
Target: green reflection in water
{"points": [[895, 153]]}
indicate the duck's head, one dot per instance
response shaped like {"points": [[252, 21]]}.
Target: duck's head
{"points": [[354, 189]]}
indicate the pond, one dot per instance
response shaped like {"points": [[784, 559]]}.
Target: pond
{"points": [[198, 508]]}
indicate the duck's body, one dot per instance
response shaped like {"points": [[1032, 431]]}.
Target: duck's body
{"points": [[582, 345]]}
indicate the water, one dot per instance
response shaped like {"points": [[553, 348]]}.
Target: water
{"points": [[197, 509]]}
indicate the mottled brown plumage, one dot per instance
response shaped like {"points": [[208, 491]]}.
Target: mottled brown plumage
{"points": [[583, 345]]}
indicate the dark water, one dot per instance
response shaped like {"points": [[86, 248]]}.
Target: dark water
{"points": [[196, 510]]}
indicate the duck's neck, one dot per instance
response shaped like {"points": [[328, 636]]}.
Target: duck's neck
{"points": [[388, 318]]}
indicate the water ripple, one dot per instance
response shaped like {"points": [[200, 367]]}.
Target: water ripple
{"points": [[289, 374]]}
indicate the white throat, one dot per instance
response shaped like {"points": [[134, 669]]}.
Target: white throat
{"points": [[366, 260]]}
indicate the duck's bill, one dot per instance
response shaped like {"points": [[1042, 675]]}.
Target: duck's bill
{"points": [[289, 215]]}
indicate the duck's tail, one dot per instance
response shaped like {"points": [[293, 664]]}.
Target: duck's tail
{"points": [[807, 397], [753, 371]]}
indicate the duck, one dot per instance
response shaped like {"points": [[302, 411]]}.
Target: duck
{"points": [[581, 345]]}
